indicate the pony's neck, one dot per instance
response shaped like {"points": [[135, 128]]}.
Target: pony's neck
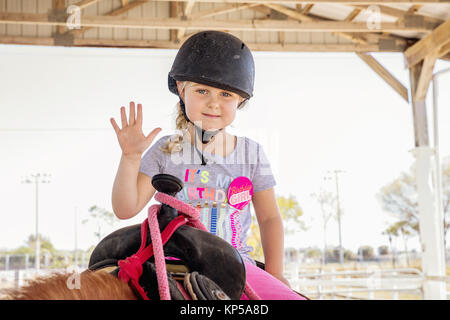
{"points": [[93, 286]]}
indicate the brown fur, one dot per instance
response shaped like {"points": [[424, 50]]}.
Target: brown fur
{"points": [[93, 286]]}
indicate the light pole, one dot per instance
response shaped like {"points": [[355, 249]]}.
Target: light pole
{"points": [[36, 179], [336, 172]]}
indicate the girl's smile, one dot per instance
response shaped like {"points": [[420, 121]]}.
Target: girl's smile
{"points": [[210, 115]]}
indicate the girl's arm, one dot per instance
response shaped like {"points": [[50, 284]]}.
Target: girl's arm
{"points": [[271, 229], [131, 189]]}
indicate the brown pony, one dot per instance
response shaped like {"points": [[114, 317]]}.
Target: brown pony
{"points": [[98, 285]]}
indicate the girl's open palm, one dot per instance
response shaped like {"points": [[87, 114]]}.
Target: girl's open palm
{"points": [[131, 138]]}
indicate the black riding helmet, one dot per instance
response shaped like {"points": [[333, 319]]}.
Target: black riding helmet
{"points": [[217, 59]]}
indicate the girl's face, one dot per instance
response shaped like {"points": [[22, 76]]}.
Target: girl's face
{"points": [[209, 107]]}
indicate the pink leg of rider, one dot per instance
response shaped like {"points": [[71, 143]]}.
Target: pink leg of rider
{"points": [[267, 286]]}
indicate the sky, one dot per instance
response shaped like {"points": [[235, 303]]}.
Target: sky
{"points": [[312, 113]]}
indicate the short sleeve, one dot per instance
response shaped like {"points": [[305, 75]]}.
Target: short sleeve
{"points": [[263, 178], [153, 160]]}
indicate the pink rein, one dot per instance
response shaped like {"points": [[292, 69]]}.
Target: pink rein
{"points": [[131, 268]]}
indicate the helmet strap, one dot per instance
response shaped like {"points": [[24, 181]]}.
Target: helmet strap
{"points": [[206, 136]]}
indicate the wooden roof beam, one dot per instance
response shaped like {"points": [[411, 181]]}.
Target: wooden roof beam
{"points": [[303, 17], [291, 47], [424, 79], [431, 45], [369, 2], [126, 6], [384, 74], [83, 4], [213, 12], [239, 25], [398, 13], [188, 6], [393, 41], [222, 10]]}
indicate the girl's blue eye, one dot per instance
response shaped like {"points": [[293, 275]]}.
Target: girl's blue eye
{"points": [[226, 93]]}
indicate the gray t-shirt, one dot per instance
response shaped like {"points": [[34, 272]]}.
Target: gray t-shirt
{"points": [[206, 186]]}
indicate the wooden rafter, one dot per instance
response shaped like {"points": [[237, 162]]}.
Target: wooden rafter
{"points": [[369, 2], [86, 3], [303, 47], [214, 12], [174, 12], [126, 6], [398, 13], [307, 8], [424, 79], [222, 10], [59, 5], [239, 25], [303, 17], [188, 6], [431, 45], [384, 74]]}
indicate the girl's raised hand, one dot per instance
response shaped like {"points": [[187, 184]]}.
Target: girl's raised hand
{"points": [[132, 140]]}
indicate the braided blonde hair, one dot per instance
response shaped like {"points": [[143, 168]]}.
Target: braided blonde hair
{"points": [[175, 142]]}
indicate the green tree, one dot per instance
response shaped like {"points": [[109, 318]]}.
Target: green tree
{"points": [[400, 199], [30, 245], [391, 232], [383, 250], [100, 217], [327, 201], [254, 240], [366, 252], [291, 214]]}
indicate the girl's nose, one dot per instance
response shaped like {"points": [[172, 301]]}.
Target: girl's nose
{"points": [[214, 101]]}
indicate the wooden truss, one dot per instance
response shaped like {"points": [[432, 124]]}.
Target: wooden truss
{"points": [[420, 54]]}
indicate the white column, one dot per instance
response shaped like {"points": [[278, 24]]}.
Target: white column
{"points": [[431, 225]]}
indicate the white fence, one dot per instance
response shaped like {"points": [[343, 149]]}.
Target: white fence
{"points": [[359, 284]]}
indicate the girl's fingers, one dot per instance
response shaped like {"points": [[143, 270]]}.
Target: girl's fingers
{"points": [[153, 134], [123, 116], [132, 119], [115, 126], [139, 116]]}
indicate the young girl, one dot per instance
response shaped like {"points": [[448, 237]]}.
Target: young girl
{"points": [[213, 75]]}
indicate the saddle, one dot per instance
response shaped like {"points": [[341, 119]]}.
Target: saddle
{"points": [[199, 265]]}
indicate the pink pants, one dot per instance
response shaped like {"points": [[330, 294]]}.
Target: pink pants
{"points": [[267, 286]]}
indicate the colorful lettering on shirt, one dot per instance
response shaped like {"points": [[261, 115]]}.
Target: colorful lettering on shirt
{"points": [[192, 192], [220, 196], [190, 175], [223, 181], [209, 194], [205, 176], [222, 220]]}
